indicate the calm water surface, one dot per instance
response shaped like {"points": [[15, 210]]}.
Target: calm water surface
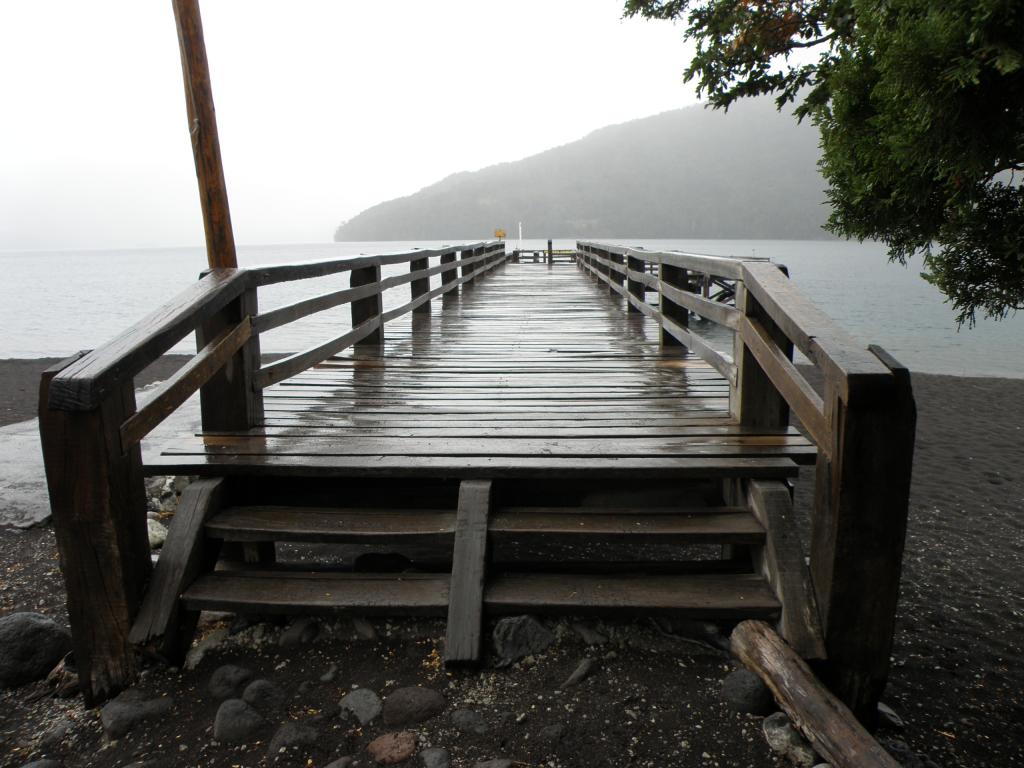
{"points": [[54, 303]]}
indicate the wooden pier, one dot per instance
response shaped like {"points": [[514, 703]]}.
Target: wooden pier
{"points": [[562, 438]]}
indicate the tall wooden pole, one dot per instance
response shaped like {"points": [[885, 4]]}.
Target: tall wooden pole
{"points": [[202, 124]]}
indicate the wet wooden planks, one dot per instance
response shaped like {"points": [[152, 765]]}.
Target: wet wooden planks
{"points": [[526, 370]]}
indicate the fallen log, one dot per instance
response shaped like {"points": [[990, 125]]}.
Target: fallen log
{"points": [[826, 722]]}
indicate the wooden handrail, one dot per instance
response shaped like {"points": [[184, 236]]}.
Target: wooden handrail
{"points": [[83, 384], [184, 383], [284, 273], [862, 424]]}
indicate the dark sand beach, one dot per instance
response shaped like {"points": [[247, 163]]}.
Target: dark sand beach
{"points": [[957, 679]]}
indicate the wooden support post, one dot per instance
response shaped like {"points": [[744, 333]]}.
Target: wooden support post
{"points": [[859, 529], [98, 501], [368, 307], [186, 554], [755, 401], [420, 285], [230, 400], [469, 564], [676, 277], [551, 253], [821, 717], [635, 287], [202, 127], [468, 269], [616, 277], [449, 275], [781, 561]]}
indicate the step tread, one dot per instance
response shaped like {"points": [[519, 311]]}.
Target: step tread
{"points": [[725, 596], [724, 524], [285, 523]]}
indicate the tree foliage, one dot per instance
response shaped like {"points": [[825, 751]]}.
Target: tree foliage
{"points": [[920, 106]]}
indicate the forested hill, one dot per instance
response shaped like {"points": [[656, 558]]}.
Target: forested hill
{"points": [[694, 172]]}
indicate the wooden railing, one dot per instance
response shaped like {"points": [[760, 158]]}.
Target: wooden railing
{"points": [[91, 428], [862, 422]]}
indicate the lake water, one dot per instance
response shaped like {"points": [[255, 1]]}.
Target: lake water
{"points": [[54, 303]]}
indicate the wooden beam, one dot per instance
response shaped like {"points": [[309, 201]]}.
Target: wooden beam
{"points": [[98, 501], [827, 723], [781, 560], [858, 530], [466, 594], [202, 127], [186, 555], [179, 387]]}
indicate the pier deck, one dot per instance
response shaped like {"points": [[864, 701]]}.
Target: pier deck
{"points": [[606, 436], [532, 371]]}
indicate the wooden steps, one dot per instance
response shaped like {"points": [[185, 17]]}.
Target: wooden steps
{"points": [[726, 525], [708, 596]]}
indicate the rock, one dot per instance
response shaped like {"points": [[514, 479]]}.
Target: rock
{"points": [[588, 634], [227, 681], [435, 757], [292, 735], [363, 628], [30, 646], [200, 649], [745, 692], [468, 721], [903, 754], [784, 740], [264, 696], [121, 714], [408, 706], [341, 762], [392, 747], [330, 674], [301, 631], [498, 762], [519, 636], [581, 672], [157, 533], [56, 734], [236, 721], [888, 718], [363, 703], [551, 735], [47, 763]]}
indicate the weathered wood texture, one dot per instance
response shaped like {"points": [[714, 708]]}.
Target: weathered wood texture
{"points": [[781, 560], [858, 531], [202, 128], [469, 567], [827, 723], [531, 372], [98, 502], [184, 556]]}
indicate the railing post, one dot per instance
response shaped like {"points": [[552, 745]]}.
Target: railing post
{"points": [[98, 501], [551, 254], [230, 400], [675, 277], [858, 531], [754, 401], [420, 285], [449, 275], [616, 277], [635, 287], [368, 307], [468, 269]]}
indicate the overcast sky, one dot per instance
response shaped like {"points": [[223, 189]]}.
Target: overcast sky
{"points": [[325, 107]]}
